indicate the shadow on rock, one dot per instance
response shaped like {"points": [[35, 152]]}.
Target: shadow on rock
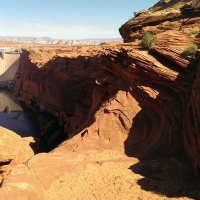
{"points": [[155, 136], [167, 177]]}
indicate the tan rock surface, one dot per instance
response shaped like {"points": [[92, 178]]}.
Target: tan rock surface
{"points": [[166, 21], [14, 150], [21, 184], [123, 178], [102, 175], [11, 143]]}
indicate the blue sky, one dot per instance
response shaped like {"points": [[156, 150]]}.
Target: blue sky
{"points": [[67, 19]]}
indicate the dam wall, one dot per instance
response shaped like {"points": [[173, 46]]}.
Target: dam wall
{"points": [[9, 63]]}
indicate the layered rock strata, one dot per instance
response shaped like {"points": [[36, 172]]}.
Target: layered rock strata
{"points": [[162, 17]]}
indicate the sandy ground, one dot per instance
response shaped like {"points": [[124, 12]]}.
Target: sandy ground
{"points": [[112, 176]]}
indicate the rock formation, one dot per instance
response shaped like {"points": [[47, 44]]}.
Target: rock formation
{"points": [[163, 16], [99, 104], [15, 150], [176, 25]]}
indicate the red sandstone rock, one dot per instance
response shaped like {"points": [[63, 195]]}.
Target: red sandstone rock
{"points": [[159, 19]]}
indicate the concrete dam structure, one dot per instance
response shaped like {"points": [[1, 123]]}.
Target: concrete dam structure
{"points": [[8, 103], [9, 63]]}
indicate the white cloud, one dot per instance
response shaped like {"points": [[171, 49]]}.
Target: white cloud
{"points": [[56, 31]]}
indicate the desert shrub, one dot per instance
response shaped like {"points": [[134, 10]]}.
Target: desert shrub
{"points": [[148, 40], [190, 50], [193, 32]]}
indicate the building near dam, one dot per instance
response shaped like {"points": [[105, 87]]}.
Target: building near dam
{"points": [[9, 63]]}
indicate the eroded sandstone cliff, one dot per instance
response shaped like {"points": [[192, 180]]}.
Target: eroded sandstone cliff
{"points": [[114, 95], [164, 16]]}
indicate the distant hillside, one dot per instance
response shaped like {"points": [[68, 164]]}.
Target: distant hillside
{"points": [[48, 40]]}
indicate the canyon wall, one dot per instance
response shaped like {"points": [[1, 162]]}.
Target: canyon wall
{"points": [[191, 123], [112, 98], [62, 87]]}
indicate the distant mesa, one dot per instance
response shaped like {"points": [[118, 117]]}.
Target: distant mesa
{"points": [[51, 41], [59, 43]]}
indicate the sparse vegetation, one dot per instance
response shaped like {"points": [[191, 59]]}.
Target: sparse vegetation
{"points": [[191, 50], [193, 32], [148, 40]]}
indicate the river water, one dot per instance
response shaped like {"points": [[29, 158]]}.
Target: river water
{"points": [[13, 116]]}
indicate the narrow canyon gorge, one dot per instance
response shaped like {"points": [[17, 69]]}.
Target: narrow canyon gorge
{"points": [[119, 122]]}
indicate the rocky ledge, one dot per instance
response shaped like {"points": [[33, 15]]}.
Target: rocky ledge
{"points": [[165, 16]]}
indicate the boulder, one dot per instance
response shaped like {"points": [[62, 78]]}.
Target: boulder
{"points": [[14, 150]]}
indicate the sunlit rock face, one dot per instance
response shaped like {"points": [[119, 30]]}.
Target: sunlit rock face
{"points": [[167, 19], [15, 150]]}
